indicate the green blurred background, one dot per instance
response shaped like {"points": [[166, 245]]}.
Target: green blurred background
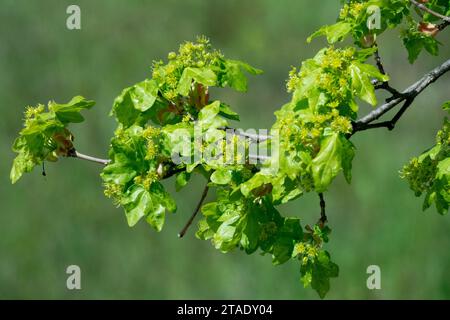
{"points": [[49, 223]]}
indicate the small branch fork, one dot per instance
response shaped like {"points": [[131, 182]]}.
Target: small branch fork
{"points": [[406, 97], [383, 85]]}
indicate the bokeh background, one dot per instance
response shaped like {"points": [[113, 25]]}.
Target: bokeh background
{"points": [[49, 223]]}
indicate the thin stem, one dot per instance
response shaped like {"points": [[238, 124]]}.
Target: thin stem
{"points": [[421, 6], [378, 61], [383, 84], [79, 155], [323, 216], [197, 209]]}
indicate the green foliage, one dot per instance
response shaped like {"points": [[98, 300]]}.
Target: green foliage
{"points": [[45, 136], [160, 118], [415, 41], [355, 14], [429, 173]]}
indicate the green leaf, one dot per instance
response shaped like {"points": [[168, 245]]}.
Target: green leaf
{"points": [[446, 106], [123, 108], [161, 196], [234, 76], [258, 180], [336, 153], [144, 95], [221, 176], [151, 204], [251, 233], [200, 75], [208, 116], [70, 112], [129, 106], [414, 41], [334, 33], [21, 164], [323, 269], [120, 171], [226, 112], [181, 180], [137, 204], [209, 112], [361, 81], [289, 233]]}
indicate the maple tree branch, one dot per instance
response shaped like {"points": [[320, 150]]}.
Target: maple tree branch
{"points": [[408, 95], [423, 7], [197, 209]]}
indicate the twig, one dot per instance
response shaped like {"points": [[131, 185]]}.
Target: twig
{"points": [[385, 84], [378, 61], [323, 216], [421, 6], [387, 87], [197, 209], [408, 94], [443, 25], [76, 154]]}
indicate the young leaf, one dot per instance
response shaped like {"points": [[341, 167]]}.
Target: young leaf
{"points": [[336, 153], [200, 75], [334, 33]]}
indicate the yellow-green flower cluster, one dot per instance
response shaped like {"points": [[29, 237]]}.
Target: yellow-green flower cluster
{"points": [[306, 251], [147, 179], [419, 174], [152, 135], [351, 10], [113, 191], [32, 112], [197, 54]]}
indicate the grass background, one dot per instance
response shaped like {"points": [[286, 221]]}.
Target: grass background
{"points": [[49, 223]]}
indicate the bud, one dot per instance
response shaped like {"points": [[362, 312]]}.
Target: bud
{"points": [[368, 40], [428, 29]]}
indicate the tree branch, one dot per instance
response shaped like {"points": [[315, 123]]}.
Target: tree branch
{"points": [[423, 7], [443, 25], [407, 95], [197, 209], [390, 124]]}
